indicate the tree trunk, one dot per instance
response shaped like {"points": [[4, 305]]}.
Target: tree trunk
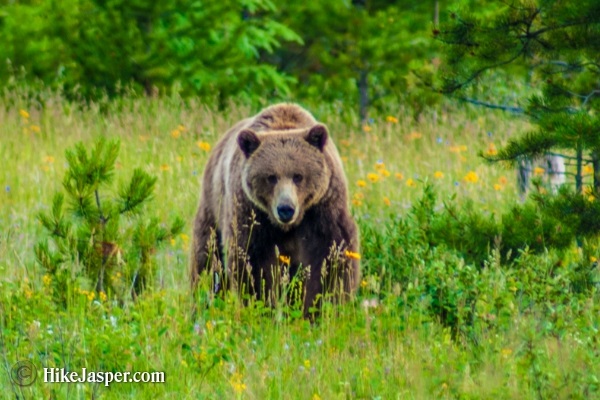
{"points": [[579, 173], [436, 13], [596, 165], [363, 91]]}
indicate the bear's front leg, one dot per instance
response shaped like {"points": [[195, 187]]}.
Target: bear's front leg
{"points": [[206, 245], [334, 266]]}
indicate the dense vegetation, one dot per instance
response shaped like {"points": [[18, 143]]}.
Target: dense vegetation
{"points": [[109, 110]]}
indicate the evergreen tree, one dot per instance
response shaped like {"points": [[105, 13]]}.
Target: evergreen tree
{"points": [[97, 241], [556, 44]]}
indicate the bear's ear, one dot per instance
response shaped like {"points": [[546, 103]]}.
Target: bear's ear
{"points": [[317, 136], [248, 142]]}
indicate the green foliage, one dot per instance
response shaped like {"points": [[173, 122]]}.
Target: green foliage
{"points": [[557, 45], [449, 254], [207, 48], [358, 51], [98, 242]]}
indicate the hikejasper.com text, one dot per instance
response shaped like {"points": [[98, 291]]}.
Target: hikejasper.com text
{"points": [[62, 375]]}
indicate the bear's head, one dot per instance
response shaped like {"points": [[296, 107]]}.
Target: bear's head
{"points": [[285, 172]]}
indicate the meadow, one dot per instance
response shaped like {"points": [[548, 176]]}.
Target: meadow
{"points": [[427, 323]]}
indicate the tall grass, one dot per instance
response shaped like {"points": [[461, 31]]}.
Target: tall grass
{"points": [[376, 347]]}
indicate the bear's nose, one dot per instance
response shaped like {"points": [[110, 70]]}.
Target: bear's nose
{"points": [[285, 213]]}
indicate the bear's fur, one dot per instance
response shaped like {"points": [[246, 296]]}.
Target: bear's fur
{"points": [[275, 185]]}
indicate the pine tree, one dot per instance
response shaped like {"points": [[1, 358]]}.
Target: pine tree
{"points": [[97, 241], [555, 46]]}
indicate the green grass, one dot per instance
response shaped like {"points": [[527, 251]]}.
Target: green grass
{"points": [[529, 336]]}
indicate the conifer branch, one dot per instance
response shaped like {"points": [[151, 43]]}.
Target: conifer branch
{"points": [[589, 96], [477, 73], [513, 109]]}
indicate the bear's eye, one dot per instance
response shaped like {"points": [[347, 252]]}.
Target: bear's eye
{"points": [[297, 178], [272, 179]]}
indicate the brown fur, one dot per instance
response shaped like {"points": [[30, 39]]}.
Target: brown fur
{"points": [[279, 164]]}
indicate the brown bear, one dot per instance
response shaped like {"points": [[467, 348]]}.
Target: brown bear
{"points": [[275, 203]]}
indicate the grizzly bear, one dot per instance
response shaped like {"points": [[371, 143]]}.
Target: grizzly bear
{"points": [[274, 205]]}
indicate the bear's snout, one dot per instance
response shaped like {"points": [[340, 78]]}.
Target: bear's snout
{"points": [[285, 213]]}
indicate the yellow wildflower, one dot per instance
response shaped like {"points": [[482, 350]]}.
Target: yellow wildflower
{"points": [[463, 147], [47, 279], [366, 128], [204, 146], [497, 187], [415, 135], [502, 180], [538, 171], [392, 120], [411, 182], [387, 201], [91, 295], [181, 128], [588, 169], [361, 183], [379, 166], [356, 202], [491, 150], [35, 128], [185, 239], [24, 113], [236, 382], [316, 397], [438, 174], [506, 352], [164, 167], [384, 172], [102, 296], [593, 259], [359, 195], [471, 177], [49, 159], [284, 259], [306, 363], [363, 283], [399, 176], [175, 133], [372, 177], [352, 255]]}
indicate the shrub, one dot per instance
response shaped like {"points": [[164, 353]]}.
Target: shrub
{"points": [[98, 242]]}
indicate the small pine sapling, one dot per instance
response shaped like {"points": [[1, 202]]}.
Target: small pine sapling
{"points": [[96, 239]]}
